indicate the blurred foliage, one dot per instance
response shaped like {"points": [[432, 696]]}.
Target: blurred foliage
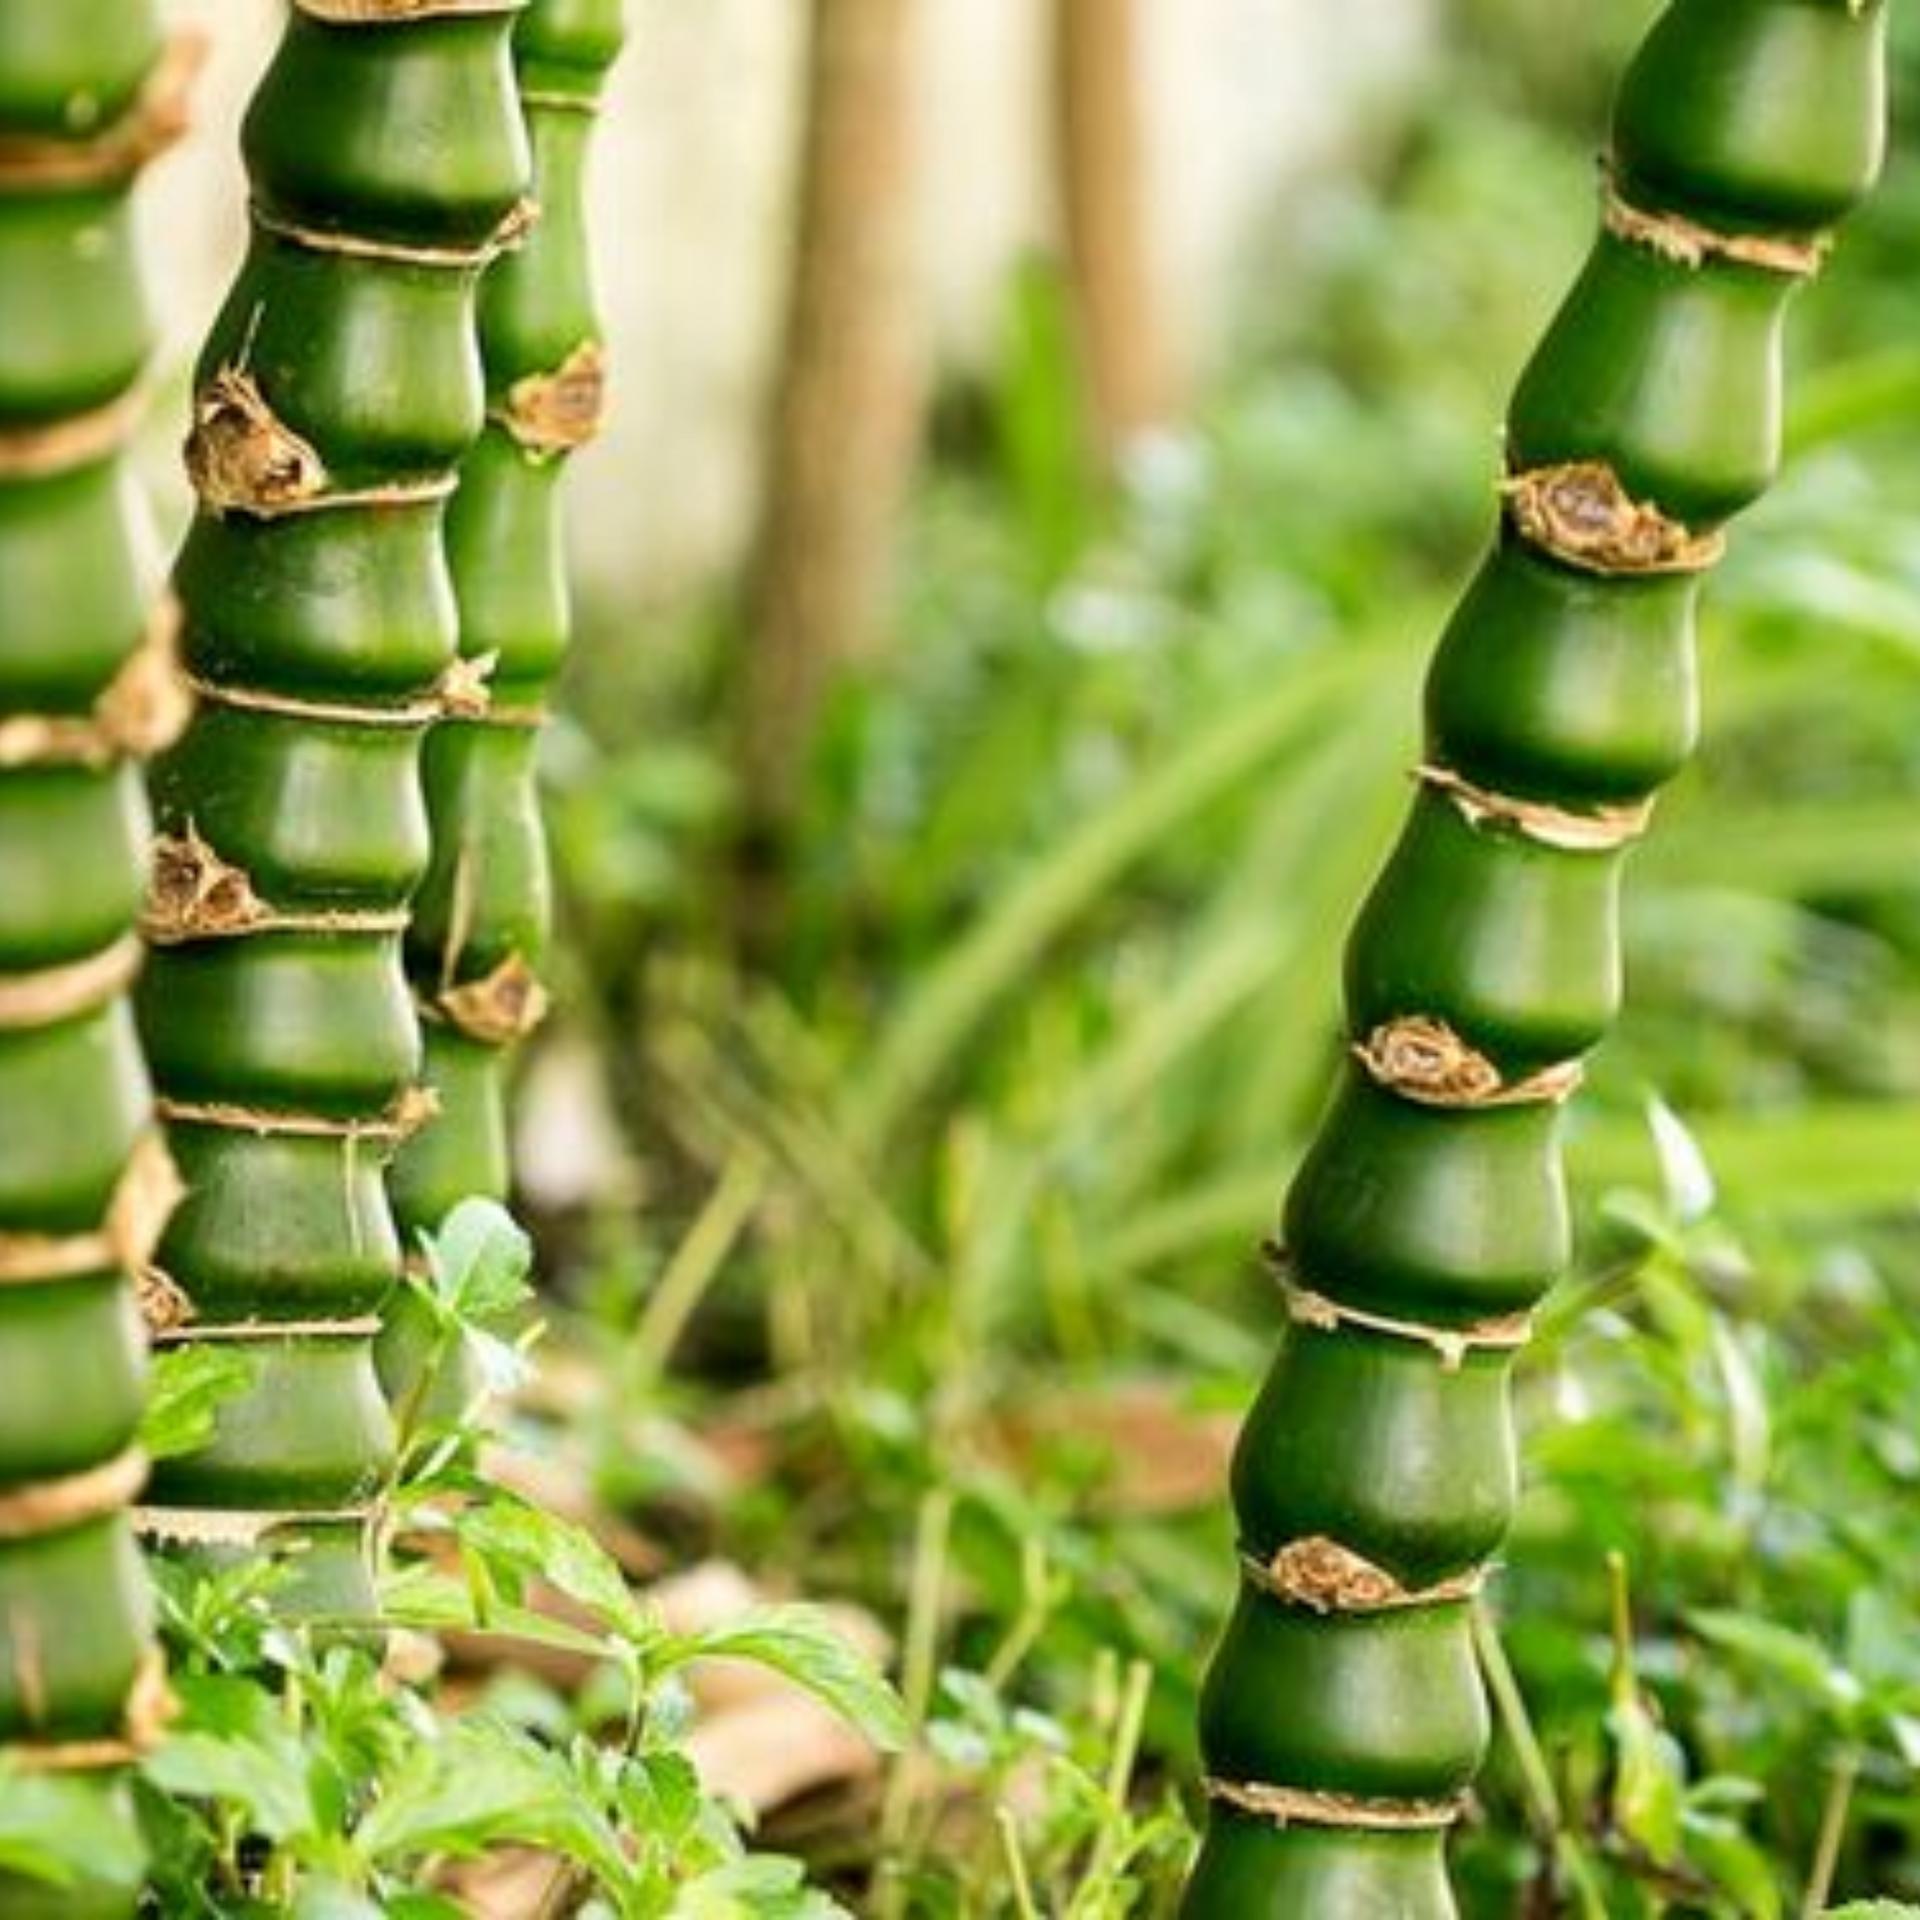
{"points": [[985, 1158]]}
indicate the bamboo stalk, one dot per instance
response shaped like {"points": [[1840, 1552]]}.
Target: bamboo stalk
{"points": [[1343, 1720], [337, 393], [87, 96], [481, 919]]}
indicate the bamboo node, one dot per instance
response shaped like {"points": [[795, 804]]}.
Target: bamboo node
{"points": [[143, 709], [1318, 1573], [342, 713], [1504, 1333], [1423, 1060], [52, 1506], [149, 1706], [1579, 513], [51, 447], [463, 690], [261, 1333], [149, 1189], [157, 117], [241, 458], [165, 1305], [1304, 1807], [51, 994], [557, 412], [234, 1526], [195, 893], [1603, 830], [382, 13], [398, 1122], [1688, 243], [511, 229], [503, 1006]]}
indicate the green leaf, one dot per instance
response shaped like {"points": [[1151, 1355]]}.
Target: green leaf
{"points": [[187, 1386], [1736, 1863], [803, 1643], [233, 1745], [1873, 1910], [478, 1261], [479, 1784], [1798, 1662], [521, 1542]]}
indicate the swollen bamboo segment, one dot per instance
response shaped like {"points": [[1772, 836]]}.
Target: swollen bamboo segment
{"points": [[86, 95], [480, 923], [337, 394], [1343, 1719]]}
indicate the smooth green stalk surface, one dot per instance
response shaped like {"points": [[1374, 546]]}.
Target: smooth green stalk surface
{"points": [[480, 925], [83, 688], [338, 391], [1343, 1720]]}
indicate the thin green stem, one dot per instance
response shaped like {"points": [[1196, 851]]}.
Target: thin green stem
{"points": [[1018, 1882], [697, 1262], [925, 1606], [1832, 1835]]}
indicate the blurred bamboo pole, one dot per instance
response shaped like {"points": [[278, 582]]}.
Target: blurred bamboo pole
{"points": [[1105, 204], [845, 428]]}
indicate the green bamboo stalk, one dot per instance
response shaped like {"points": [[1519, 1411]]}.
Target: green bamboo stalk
{"points": [[338, 391], [481, 920], [1343, 1719], [86, 96]]}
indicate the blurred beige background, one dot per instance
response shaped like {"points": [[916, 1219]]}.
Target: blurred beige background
{"points": [[695, 180]]}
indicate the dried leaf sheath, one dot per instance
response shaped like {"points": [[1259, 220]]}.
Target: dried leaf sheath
{"points": [[1340, 1734]]}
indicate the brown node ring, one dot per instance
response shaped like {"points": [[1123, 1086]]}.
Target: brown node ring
{"points": [[548, 414], [1319, 1573], [53, 994], [499, 1008], [342, 713], [1423, 1060], [51, 1506], [1303, 1807], [197, 894], [1603, 830], [259, 1333], [157, 117], [512, 229], [143, 709], [1688, 243], [150, 1704], [76, 440], [149, 1190], [1506, 1333], [386, 13], [1579, 513], [398, 1123]]}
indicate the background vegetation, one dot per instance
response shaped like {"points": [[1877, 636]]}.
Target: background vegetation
{"points": [[908, 1259], [950, 1204]]}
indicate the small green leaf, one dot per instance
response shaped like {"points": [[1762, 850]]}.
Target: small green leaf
{"points": [[231, 1745], [1684, 1173], [509, 1537], [477, 1264], [1791, 1658], [803, 1643], [187, 1387]]}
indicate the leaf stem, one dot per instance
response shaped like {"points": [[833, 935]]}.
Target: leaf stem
{"points": [[1833, 1832]]}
